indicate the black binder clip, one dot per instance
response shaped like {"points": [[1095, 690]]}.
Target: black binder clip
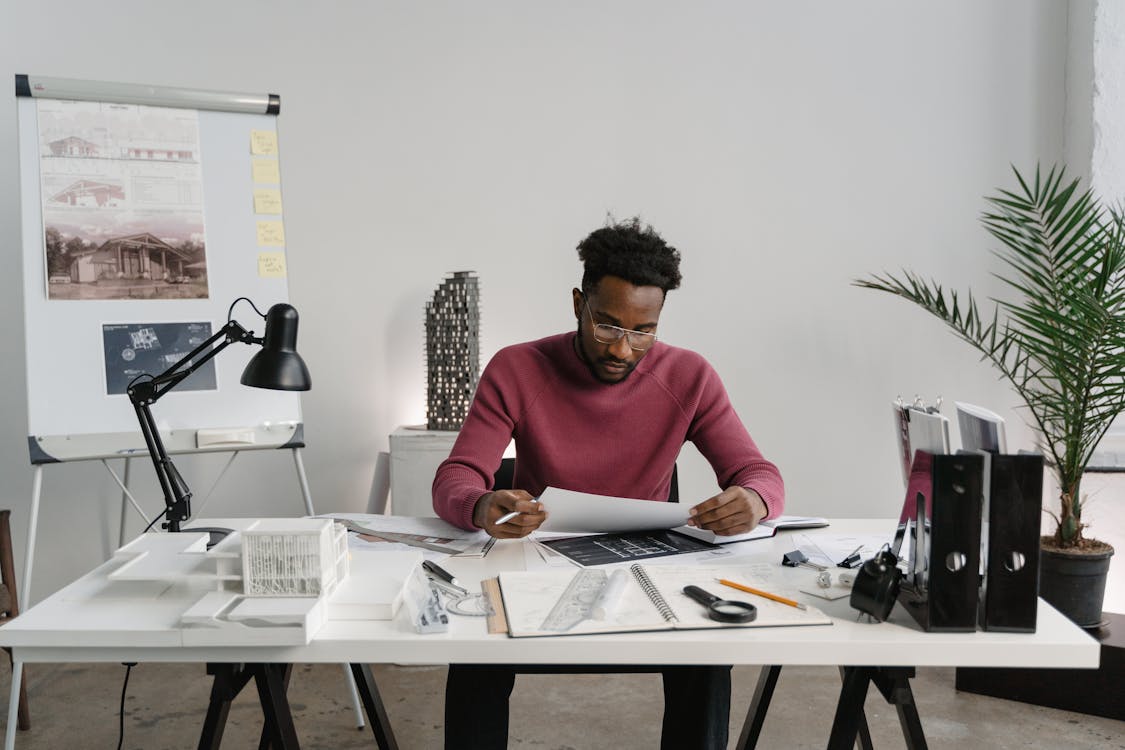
{"points": [[798, 558], [851, 561], [794, 558]]}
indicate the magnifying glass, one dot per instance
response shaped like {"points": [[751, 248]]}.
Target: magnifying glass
{"points": [[722, 610]]}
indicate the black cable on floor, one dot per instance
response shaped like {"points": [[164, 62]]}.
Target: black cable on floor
{"points": [[121, 713]]}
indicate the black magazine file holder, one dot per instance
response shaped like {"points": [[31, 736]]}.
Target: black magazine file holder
{"points": [[941, 524]]}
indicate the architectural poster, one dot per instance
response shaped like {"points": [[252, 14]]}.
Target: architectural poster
{"points": [[122, 198]]}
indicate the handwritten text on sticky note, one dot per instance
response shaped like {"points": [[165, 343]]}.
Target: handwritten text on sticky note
{"points": [[271, 234], [271, 265], [263, 142], [267, 201]]}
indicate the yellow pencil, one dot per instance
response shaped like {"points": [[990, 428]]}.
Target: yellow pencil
{"points": [[757, 592]]}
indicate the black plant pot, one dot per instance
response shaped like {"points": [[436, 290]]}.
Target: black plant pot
{"points": [[1074, 583]]}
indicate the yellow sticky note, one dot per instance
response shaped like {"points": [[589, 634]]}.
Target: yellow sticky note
{"points": [[263, 142], [267, 201], [271, 234], [266, 170], [271, 265]]}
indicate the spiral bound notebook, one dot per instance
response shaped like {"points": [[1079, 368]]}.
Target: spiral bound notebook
{"points": [[564, 602]]}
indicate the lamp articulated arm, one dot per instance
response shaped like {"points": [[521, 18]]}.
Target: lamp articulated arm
{"points": [[177, 495], [277, 367]]}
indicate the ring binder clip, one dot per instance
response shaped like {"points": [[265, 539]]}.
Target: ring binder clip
{"points": [[919, 427]]}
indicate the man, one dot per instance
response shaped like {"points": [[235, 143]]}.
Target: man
{"points": [[603, 410]]}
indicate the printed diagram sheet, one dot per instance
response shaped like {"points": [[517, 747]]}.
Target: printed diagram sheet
{"points": [[136, 348]]}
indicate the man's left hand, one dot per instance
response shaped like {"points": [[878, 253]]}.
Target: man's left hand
{"points": [[735, 510]]}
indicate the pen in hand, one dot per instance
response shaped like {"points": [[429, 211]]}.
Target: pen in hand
{"points": [[509, 516]]}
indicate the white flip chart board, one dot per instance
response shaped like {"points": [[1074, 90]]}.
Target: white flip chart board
{"points": [[146, 212]]}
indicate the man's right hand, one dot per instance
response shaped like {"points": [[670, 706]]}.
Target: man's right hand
{"points": [[499, 503]]}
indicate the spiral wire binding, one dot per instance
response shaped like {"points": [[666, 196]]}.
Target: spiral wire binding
{"points": [[653, 593]]}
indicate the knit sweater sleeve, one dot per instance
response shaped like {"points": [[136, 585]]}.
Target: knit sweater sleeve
{"points": [[721, 437], [467, 474]]}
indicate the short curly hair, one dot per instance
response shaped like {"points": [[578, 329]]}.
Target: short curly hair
{"points": [[629, 250]]}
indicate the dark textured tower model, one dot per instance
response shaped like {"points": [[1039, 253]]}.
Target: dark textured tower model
{"points": [[452, 350]]}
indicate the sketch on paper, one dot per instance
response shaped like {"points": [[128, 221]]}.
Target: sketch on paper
{"points": [[134, 349], [122, 201]]}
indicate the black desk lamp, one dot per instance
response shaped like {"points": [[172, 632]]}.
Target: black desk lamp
{"points": [[277, 366]]}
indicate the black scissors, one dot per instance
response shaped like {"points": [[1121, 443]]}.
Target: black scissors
{"points": [[722, 610]]}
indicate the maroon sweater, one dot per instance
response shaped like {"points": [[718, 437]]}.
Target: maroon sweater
{"points": [[574, 432]]}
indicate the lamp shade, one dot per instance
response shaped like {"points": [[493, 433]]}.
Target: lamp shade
{"points": [[278, 366]]}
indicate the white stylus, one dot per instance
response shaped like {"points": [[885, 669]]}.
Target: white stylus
{"points": [[509, 516]]}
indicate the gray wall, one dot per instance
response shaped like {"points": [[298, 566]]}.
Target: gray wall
{"points": [[785, 148]]}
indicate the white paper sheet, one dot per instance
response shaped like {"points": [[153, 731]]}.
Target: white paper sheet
{"points": [[568, 510]]}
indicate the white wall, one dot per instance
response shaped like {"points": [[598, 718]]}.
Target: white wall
{"points": [[1081, 93], [1108, 99], [785, 148]]}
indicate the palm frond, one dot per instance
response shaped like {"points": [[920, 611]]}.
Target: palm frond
{"points": [[1060, 341]]}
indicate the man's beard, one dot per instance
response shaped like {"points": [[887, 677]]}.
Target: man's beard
{"points": [[591, 363]]}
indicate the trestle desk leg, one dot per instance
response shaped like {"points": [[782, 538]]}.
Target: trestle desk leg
{"points": [[849, 708], [265, 742], [864, 730], [911, 725], [373, 703], [270, 680], [229, 681], [759, 705], [894, 684]]}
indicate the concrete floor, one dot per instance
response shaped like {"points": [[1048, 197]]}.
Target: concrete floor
{"points": [[76, 706]]}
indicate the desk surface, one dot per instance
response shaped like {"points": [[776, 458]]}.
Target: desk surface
{"points": [[92, 620]]}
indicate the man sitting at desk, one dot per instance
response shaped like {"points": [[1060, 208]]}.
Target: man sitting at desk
{"points": [[603, 410]]}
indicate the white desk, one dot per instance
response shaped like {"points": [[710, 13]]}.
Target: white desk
{"points": [[93, 621]]}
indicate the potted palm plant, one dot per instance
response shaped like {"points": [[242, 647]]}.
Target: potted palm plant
{"points": [[1060, 342]]}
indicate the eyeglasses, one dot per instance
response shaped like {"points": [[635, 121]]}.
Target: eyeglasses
{"points": [[604, 333]]}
